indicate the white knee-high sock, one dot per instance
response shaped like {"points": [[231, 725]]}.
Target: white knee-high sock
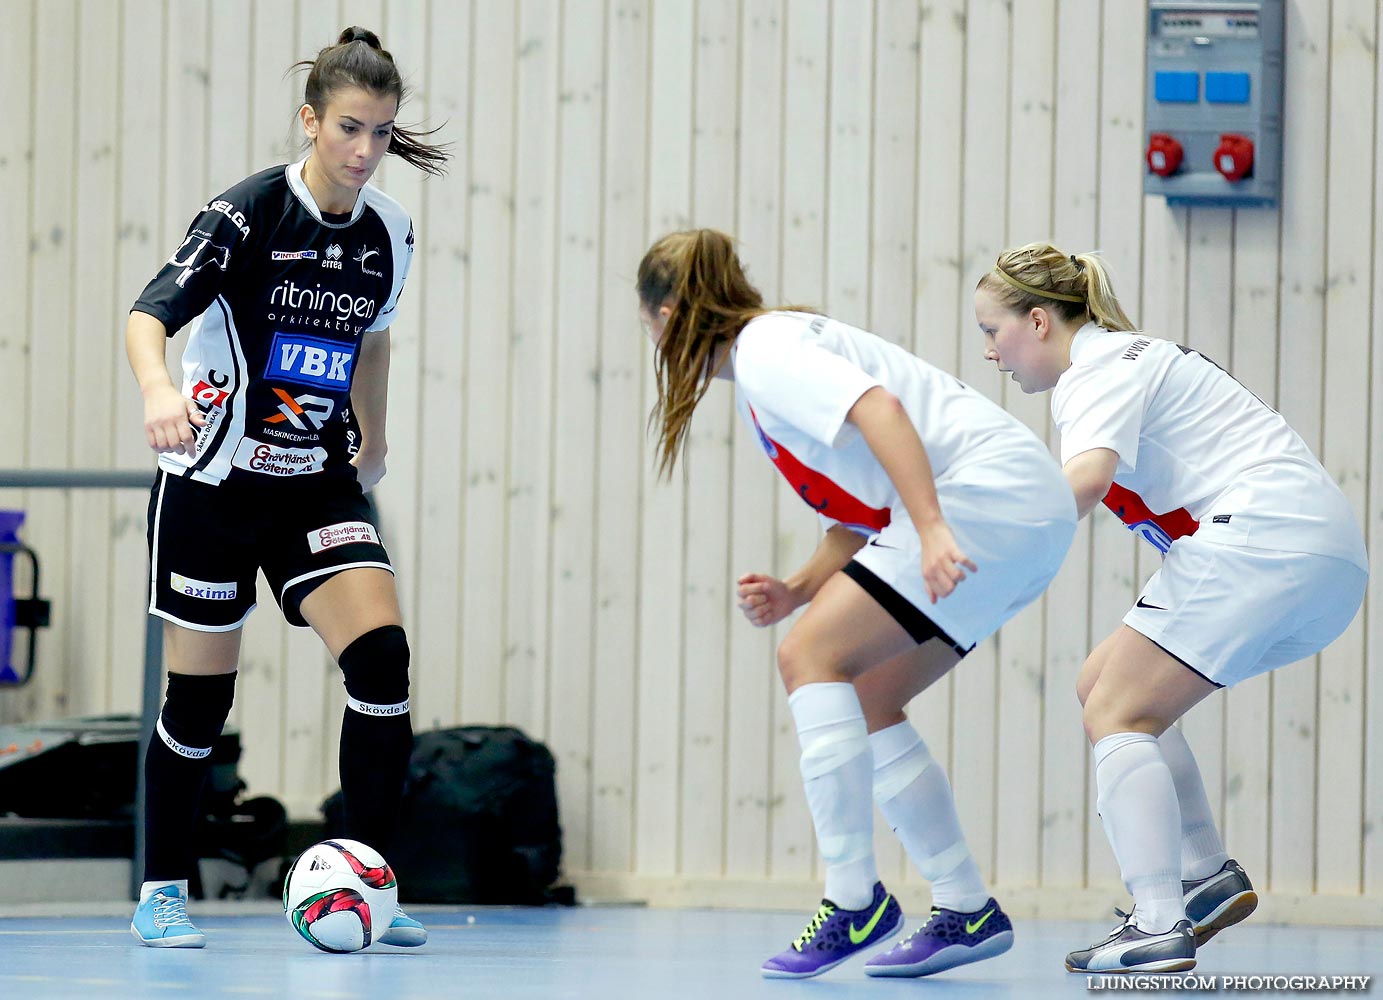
{"points": [[1202, 851], [836, 767], [915, 798], [1138, 806]]}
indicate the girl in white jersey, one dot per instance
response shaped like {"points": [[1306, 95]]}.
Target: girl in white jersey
{"points": [[1263, 564], [917, 476]]}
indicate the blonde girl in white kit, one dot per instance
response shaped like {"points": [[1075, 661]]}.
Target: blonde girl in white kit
{"points": [[1264, 564], [920, 478]]}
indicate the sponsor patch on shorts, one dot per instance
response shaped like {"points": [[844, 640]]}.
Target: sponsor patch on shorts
{"points": [[345, 533], [257, 456], [200, 589]]}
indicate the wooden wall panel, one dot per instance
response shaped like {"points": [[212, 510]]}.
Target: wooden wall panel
{"points": [[95, 371], [1344, 450], [658, 723], [623, 457], [1295, 723]]}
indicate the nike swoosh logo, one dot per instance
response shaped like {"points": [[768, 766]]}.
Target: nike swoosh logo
{"points": [[857, 936], [1154, 607], [972, 928], [880, 545]]}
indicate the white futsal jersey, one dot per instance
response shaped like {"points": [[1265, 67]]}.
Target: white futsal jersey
{"points": [[1002, 494], [1198, 452], [798, 374]]}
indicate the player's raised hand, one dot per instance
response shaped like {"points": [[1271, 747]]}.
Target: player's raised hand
{"points": [[765, 600]]}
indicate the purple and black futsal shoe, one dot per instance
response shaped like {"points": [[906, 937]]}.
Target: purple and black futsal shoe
{"points": [[947, 939], [834, 935]]}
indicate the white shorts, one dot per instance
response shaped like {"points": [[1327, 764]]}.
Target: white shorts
{"points": [[1230, 612], [1016, 558]]}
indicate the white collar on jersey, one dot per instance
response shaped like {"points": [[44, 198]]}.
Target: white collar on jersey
{"points": [[294, 171], [1079, 338]]}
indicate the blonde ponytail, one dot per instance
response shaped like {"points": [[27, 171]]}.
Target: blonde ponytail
{"points": [[1099, 294], [1076, 287]]}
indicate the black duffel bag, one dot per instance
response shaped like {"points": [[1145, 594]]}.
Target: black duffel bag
{"points": [[478, 822]]}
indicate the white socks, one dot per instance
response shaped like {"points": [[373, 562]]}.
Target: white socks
{"points": [[836, 766], [1202, 851], [1151, 800], [1138, 805], [147, 889], [915, 798]]}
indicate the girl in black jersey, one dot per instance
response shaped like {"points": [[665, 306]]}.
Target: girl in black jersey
{"points": [[290, 280]]}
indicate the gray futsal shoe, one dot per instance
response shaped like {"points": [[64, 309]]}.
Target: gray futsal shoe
{"points": [[1217, 902], [1130, 949]]}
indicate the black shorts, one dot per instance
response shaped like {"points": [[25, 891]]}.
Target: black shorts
{"points": [[206, 544]]}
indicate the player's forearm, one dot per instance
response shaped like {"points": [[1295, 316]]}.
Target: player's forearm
{"points": [[370, 391], [837, 548], [146, 342], [893, 439], [1090, 474]]}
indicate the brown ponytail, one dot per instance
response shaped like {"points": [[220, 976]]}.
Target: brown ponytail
{"points": [[698, 276]]}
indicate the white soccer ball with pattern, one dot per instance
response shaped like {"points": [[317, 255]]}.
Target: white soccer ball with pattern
{"points": [[340, 895]]}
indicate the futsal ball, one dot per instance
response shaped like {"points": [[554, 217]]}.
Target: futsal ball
{"points": [[340, 895]]}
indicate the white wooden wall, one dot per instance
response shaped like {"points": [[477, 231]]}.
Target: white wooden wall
{"points": [[874, 157]]}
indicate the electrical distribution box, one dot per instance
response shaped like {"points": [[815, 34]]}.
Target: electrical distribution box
{"points": [[1213, 108]]}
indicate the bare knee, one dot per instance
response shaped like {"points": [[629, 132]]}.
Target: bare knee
{"points": [[801, 661], [1088, 677], [880, 706], [1108, 711], [792, 662], [1093, 667]]}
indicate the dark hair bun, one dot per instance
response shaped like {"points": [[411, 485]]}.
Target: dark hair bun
{"points": [[355, 33]]}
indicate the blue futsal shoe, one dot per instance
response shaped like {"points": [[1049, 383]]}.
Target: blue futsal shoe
{"points": [[160, 919], [948, 938], [404, 931], [834, 935]]}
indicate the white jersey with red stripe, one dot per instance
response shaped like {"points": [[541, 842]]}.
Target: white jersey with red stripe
{"points": [[1198, 452], [798, 374]]}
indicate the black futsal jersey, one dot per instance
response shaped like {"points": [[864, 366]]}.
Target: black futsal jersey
{"points": [[279, 296]]}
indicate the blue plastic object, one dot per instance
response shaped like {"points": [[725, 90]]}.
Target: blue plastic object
{"points": [[1176, 88], [10, 520], [1227, 88]]}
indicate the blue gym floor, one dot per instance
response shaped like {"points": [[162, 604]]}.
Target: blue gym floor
{"points": [[603, 952]]}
